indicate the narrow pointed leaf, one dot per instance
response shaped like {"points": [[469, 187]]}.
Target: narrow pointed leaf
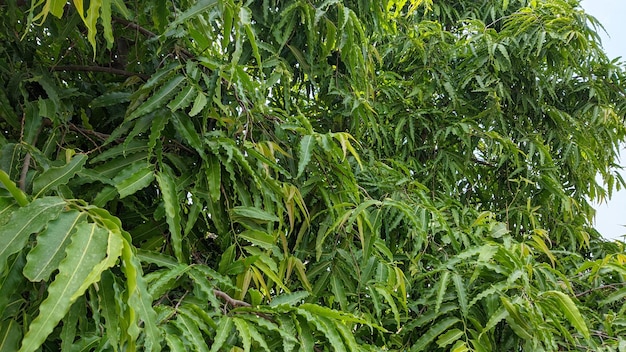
{"points": [[222, 333], [571, 312], [140, 179], [307, 143], [159, 99], [172, 212]]}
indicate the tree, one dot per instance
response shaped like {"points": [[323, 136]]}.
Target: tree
{"points": [[307, 175]]}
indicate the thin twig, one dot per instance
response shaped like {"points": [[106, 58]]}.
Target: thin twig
{"points": [[229, 300], [110, 70]]}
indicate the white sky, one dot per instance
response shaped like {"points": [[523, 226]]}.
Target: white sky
{"points": [[611, 217]]}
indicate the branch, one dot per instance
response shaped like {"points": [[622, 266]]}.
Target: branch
{"points": [[110, 70], [615, 285], [229, 300], [134, 26]]}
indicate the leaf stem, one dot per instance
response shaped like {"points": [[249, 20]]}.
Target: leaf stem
{"points": [[17, 193]]}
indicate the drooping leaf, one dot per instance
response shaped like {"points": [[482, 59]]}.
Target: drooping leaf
{"points": [[25, 221], [172, 211], [87, 248], [45, 257]]}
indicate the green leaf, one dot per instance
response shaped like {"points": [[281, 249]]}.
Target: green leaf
{"points": [[185, 127], [442, 288], [45, 257], [198, 104], [570, 310], [88, 248], [19, 196], [449, 337], [244, 333], [243, 213], [172, 212], [424, 341], [10, 335], [213, 171], [198, 8], [58, 175], [109, 307], [141, 179], [159, 99], [183, 99], [111, 98], [25, 221], [191, 332], [307, 143], [223, 332], [290, 299]]}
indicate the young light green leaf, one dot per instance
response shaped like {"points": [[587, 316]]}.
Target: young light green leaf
{"points": [[141, 179], [199, 7], [307, 143], [51, 243], [159, 99], [88, 248], [58, 175], [172, 212], [25, 221]]}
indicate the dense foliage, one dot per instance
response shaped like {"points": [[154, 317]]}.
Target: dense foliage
{"points": [[356, 175]]}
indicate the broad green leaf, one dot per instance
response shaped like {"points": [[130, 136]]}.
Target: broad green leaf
{"points": [[223, 332], [159, 99], [88, 248], [45, 257], [307, 143], [425, 340], [259, 238], [570, 310], [10, 335], [25, 221], [56, 176], [141, 179], [172, 212]]}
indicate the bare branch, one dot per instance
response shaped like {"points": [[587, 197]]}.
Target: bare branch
{"points": [[229, 300]]}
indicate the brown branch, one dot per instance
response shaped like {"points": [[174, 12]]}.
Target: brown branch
{"points": [[615, 285], [110, 70], [229, 300], [134, 26]]}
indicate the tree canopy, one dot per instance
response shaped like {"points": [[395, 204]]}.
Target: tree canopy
{"points": [[304, 175]]}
